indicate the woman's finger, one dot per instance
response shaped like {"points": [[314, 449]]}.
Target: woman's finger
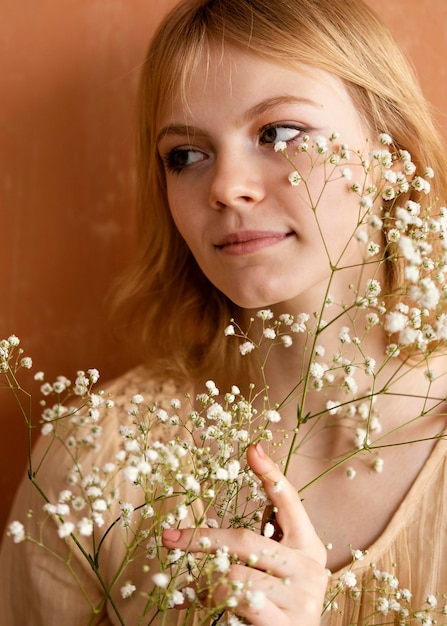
{"points": [[233, 545], [289, 513]]}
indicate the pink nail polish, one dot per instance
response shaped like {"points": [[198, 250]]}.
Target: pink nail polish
{"points": [[260, 450], [172, 534]]}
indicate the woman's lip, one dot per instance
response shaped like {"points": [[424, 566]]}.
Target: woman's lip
{"points": [[250, 241]]}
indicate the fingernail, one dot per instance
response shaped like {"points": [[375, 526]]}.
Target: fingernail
{"points": [[260, 450], [172, 534]]}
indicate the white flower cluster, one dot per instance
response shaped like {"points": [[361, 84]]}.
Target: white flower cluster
{"points": [[11, 356], [183, 463], [391, 599]]}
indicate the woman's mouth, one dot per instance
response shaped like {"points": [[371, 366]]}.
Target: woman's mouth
{"points": [[247, 242]]}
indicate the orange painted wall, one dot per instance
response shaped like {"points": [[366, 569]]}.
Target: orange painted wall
{"points": [[68, 77]]}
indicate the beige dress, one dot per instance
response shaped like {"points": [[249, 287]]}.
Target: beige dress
{"points": [[37, 588]]}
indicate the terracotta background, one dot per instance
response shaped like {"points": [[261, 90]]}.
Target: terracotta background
{"points": [[68, 76]]}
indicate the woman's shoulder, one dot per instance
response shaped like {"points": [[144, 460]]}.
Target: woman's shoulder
{"points": [[93, 433], [140, 382]]}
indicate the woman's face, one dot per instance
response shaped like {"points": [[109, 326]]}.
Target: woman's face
{"points": [[253, 234]]}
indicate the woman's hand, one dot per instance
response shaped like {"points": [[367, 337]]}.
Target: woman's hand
{"points": [[286, 581]]}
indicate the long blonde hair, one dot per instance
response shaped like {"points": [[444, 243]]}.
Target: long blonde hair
{"points": [[179, 316]]}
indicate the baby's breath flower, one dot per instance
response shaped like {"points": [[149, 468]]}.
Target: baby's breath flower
{"points": [[182, 512], [378, 465], [420, 184], [160, 579], [383, 605], [373, 248], [255, 599], [333, 407], [17, 531], [345, 152], [232, 603], [189, 594], [321, 144], [395, 321], [93, 374], [280, 146], [211, 523], [65, 529], [176, 598], [350, 473], [348, 579], [127, 590], [405, 594], [304, 145], [99, 505], [375, 222], [269, 333], [13, 341], [268, 530], [98, 519], [432, 601], [211, 387], [385, 139], [393, 235], [246, 347], [221, 560], [85, 527], [286, 340], [229, 330], [373, 287], [392, 350], [46, 429], [175, 555], [205, 543], [108, 467], [361, 235], [343, 335], [26, 362], [294, 178], [370, 365], [147, 511], [383, 157], [265, 314], [366, 202], [272, 416], [317, 370], [46, 389], [252, 560]]}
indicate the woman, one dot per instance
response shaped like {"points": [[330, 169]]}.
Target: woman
{"points": [[239, 99]]}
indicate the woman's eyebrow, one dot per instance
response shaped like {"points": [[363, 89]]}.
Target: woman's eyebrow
{"points": [[252, 113], [181, 129], [270, 103]]}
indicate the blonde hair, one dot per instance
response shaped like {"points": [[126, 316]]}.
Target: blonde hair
{"points": [[178, 314]]}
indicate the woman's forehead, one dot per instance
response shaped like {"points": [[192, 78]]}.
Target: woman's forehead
{"points": [[229, 71]]}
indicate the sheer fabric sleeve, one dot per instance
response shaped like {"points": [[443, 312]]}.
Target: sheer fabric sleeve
{"points": [[54, 585]]}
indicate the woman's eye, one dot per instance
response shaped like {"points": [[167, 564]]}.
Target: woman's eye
{"points": [[273, 134], [180, 158]]}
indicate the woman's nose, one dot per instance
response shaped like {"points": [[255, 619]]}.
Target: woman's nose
{"points": [[237, 183]]}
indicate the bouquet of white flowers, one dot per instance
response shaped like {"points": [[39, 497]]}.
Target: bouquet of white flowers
{"points": [[184, 460]]}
